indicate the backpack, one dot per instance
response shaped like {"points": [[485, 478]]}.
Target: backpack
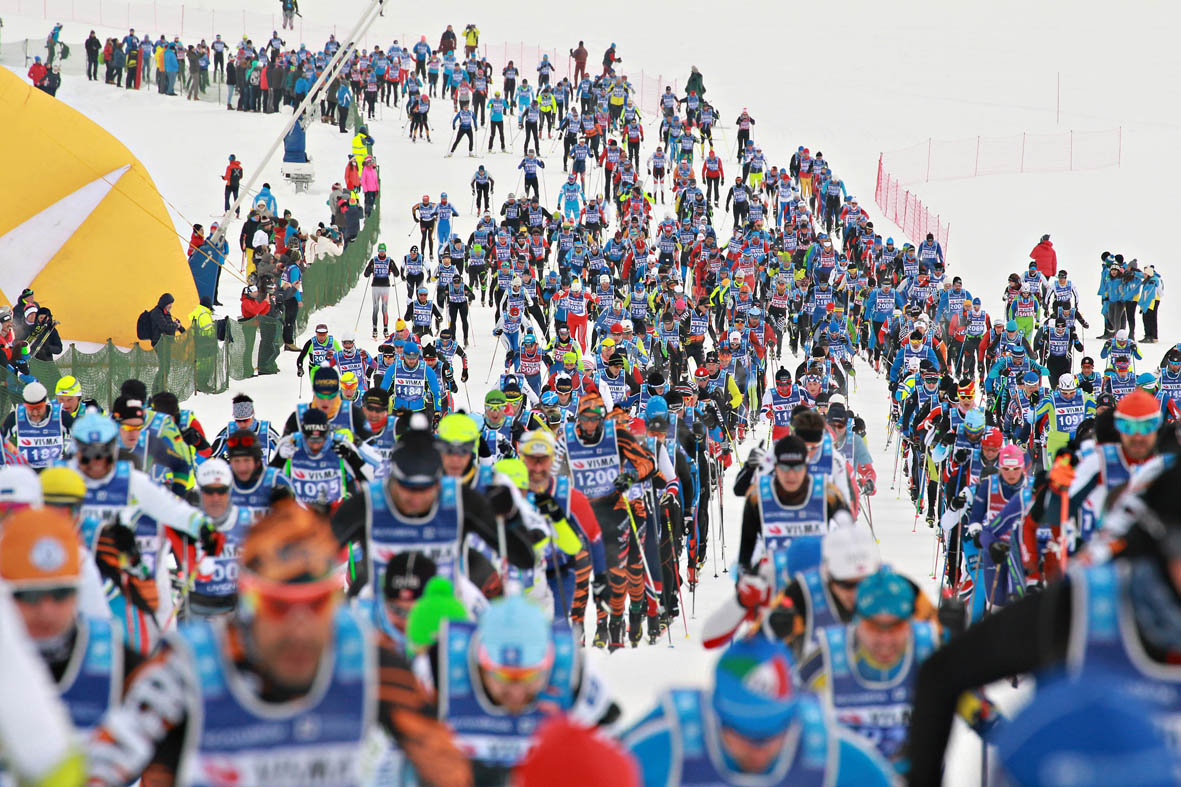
{"points": [[143, 326]]}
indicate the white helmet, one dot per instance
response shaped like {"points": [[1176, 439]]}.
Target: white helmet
{"points": [[576, 285], [605, 279], [19, 485], [1121, 335], [627, 325], [516, 282], [348, 336], [913, 364], [850, 553], [214, 472], [735, 336], [1066, 382]]}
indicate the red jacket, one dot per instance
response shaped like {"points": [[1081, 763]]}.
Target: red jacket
{"points": [[253, 308], [37, 73], [233, 165], [1046, 258]]}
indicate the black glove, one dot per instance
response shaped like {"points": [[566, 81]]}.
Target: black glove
{"points": [[344, 449], [500, 499], [463, 375], [453, 387], [548, 507], [600, 589], [953, 616], [782, 620], [893, 387], [948, 438], [958, 502], [961, 456], [623, 482], [192, 437], [299, 370], [998, 551]]}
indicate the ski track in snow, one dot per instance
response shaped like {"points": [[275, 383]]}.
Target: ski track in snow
{"points": [[967, 77]]}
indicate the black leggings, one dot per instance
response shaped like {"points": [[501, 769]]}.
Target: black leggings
{"points": [[471, 142], [461, 309], [427, 228]]}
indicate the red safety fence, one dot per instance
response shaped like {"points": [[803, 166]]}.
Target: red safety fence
{"points": [[906, 210], [971, 157]]}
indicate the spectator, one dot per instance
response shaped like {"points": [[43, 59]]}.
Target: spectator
{"points": [[352, 175], [93, 46], [25, 326], [52, 80], [337, 201], [196, 239], [231, 83], [447, 41], [24, 301], [579, 56], [325, 243], [37, 72], [291, 294], [695, 83], [1045, 257], [267, 198], [471, 39], [163, 323], [255, 302], [233, 179], [609, 59], [171, 68], [369, 184], [344, 99], [1151, 290], [44, 342], [352, 221], [118, 61], [194, 58]]}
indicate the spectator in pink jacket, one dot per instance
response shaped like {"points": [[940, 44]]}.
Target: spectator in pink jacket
{"points": [[1045, 257], [369, 184]]}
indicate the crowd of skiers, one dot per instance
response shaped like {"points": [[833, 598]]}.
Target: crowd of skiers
{"points": [[387, 557]]}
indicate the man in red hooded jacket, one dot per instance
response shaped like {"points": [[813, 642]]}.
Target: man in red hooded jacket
{"points": [[1045, 257]]}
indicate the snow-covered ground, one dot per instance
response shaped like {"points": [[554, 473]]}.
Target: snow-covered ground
{"points": [[850, 80]]}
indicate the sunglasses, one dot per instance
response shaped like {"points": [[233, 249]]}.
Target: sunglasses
{"points": [[847, 584], [90, 453], [126, 427], [1137, 426], [591, 417], [215, 490], [242, 441], [792, 467], [457, 449], [37, 596]]}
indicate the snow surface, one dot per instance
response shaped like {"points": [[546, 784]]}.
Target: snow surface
{"points": [[851, 81]]}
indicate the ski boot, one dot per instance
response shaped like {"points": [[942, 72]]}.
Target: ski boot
{"points": [[615, 628], [654, 629], [374, 331], [635, 628], [601, 635]]}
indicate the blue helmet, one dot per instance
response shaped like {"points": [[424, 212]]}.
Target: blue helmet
{"points": [[549, 399], [514, 633]]}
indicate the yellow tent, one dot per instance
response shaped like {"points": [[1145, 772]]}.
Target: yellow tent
{"points": [[81, 221]]}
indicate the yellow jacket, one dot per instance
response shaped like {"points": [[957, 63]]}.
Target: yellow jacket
{"points": [[203, 320], [471, 36]]}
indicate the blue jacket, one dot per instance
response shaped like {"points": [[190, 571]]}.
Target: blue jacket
{"points": [[1150, 290], [170, 64], [267, 198], [344, 96]]}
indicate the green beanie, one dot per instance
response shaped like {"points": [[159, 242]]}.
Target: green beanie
{"points": [[438, 603]]}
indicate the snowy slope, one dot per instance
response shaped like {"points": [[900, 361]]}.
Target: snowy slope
{"points": [[855, 81]]}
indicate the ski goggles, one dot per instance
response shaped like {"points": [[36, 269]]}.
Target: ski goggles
{"points": [[466, 448], [280, 599], [242, 441], [1144, 425], [215, 490], [36, 596], [507, 674], [90, 452]]}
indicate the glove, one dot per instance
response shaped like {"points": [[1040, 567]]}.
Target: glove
{"points": [[344, 449], [213, 541], [958, 502], [961, 455], [973, 532], [953, 615], [500, 499], [504, 448], [599, 588], [623, 482], [868, 486], [998, 551], [299, 370], [192, 437], [287, 447], [463, 375], [453, 387], [753, 591], [755, 458], [497, 332], [1061, 474], [782, 620], [948, 439], [548, 507]]}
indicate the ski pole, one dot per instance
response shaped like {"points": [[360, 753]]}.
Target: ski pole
{"points": [[361, 308], [636, 533], [650, 504]]}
